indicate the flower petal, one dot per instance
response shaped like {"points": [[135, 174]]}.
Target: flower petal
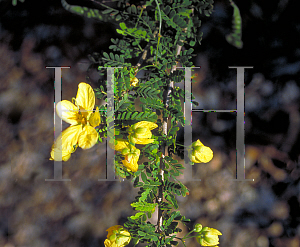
{"points": [[59, 155], [95, 119], [64, 144], [123, 238], [140, 140], [145, 124], [88, 137], [213, 231], [67, 111], [142, 133], [132, 165], [205, 155], [107, 243], [210, 240], [85, 97], [121, 144], [193, 158], [197, 143], [69, 138], [111, 229]]}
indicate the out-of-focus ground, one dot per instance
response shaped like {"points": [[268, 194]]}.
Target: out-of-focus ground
{"points": [[266, 212]]}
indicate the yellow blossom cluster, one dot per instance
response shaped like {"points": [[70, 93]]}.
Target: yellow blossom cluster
{"points": [[82, 133], [139, 133], [83, 119]]}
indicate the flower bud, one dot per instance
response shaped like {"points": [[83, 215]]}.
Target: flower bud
{"points": [[198, 153], [198, 227], [208, 236]]}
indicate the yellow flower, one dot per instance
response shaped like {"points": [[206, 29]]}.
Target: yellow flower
{"points": [[117, 237], [208, 237], [198, 153], [131, 158], [140, 133], [130, 153], [134, 82], [83, 122]]}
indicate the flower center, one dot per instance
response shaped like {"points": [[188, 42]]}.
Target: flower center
{"points": [[81, 118]]}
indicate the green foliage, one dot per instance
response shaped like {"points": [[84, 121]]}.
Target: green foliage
{"points": [[147, 92], [136, 33], [114, 60], [205, 7], [106, 15], [139, 116], [235, 38], [15, 2], [153, 37]]}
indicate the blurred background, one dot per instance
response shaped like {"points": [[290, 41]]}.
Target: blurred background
{"points": [[262, 213]]}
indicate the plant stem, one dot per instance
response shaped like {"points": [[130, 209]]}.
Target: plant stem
{"points": [[164, 147], [182, 240], [159, 30]]}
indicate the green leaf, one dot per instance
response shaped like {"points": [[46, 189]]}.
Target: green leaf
{"points": [[144, 177], [144, 206], [121, 32], [111, 56], [118, 17], [141, 233], [190, 51], [133, 9], [134, 115], [171, 198], [235, 38], [107, 11], [176, 18], [105, 55], [167, 9], [137, 215], [192, 43], [172, 13]]}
